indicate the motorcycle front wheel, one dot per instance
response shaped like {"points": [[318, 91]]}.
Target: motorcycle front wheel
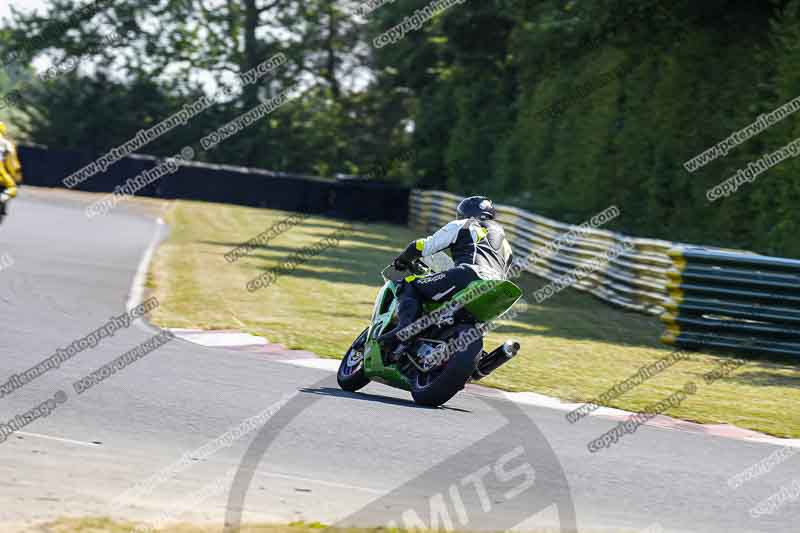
{"points": [[351, 375]]}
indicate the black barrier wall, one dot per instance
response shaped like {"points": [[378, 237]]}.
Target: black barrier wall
{"points": [[348, 199]]}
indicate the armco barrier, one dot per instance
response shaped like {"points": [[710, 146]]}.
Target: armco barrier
{"points": [[733, 301], [350, 199], [707, 297], [635, 279]]}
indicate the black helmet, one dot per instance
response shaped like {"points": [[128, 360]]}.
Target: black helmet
{"points": [[478, 207]]}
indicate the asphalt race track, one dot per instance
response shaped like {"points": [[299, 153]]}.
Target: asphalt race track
{"points": [[365, 458]]}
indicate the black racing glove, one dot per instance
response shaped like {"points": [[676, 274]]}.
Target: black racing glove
{"points": [[401, 264], [405, 259]]}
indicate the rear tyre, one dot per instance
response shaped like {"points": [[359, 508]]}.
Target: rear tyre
{"points": [[351, 375], [436, 387]]}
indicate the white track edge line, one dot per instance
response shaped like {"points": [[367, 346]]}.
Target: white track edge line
{"points": [[135, 296], [321, 482], [59, 439]]}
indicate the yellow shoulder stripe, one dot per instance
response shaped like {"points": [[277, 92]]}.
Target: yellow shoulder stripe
{"points": [[507, 251]]}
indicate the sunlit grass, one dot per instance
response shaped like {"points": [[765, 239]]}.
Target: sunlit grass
{"points": [[574, 346]]}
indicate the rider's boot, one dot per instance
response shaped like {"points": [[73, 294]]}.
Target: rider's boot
{"points": [[408, 308]]}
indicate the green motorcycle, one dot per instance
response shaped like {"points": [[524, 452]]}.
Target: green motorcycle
{"points": [[446, 343]]}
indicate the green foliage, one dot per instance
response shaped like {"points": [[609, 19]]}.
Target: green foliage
{"points": [[576, 106], [559, 106]]}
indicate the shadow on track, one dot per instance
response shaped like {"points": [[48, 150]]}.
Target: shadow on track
{"points": [[338, 393]]}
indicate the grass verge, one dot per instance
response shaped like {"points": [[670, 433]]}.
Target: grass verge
{"points": [[574, 347], [105, 525]]}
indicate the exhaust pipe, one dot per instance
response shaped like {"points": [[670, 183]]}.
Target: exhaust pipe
{"points": [[510, 348], [493, 360]]}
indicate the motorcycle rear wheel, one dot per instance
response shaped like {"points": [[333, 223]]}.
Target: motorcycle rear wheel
{"points": [[438, 386]]}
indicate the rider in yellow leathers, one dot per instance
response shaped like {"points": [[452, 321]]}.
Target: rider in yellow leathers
{"points": [[10, 169]]}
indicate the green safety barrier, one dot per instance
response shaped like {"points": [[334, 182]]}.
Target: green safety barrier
{"points": [[733, 301], [708, 297]]}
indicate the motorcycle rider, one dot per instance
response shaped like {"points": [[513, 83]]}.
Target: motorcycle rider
{"points": [[10, 171], [479, 250]]}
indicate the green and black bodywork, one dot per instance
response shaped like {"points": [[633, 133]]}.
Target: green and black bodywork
{"points": [[432, 384]]}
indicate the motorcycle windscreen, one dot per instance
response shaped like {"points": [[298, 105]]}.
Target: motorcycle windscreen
{"points": [[439, 262]]}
